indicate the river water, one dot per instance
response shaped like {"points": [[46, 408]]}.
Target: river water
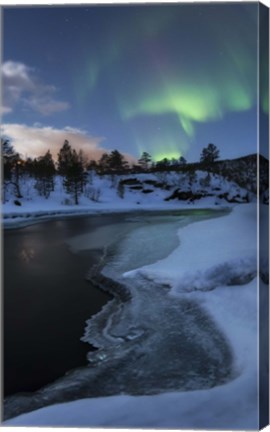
{"points": [[48, 296]]}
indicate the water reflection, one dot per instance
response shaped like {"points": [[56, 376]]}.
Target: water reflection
{"points": [[26, 255]]}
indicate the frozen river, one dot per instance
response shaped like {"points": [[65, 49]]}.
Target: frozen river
{"points": [[148, 342]]}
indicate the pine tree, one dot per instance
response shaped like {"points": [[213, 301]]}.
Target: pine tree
{"points": [[145, 160], [209, 154], [45, 171], [74, 178], [182, 161], [92, 165], [30, 167], [104, 163], [117, 161], [11, 162], [64, 158], [70, 166], [163, 164]]}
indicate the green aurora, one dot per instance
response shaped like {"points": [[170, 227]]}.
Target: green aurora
{"points": [[182, 84]]}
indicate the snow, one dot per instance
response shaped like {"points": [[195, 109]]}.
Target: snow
{"points": [[192, 272], [101, 195], [236, 253]]}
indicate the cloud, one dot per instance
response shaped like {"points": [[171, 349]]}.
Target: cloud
{"points": [[5, 110], [33, 141], [21, 85], [45, 105]]}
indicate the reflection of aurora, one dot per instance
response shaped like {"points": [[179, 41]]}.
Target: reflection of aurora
{"points": [[195, 63]]}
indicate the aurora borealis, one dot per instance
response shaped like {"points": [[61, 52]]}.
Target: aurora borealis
{"points": [[167, 79]]}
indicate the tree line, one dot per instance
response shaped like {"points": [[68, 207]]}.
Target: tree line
{"points": [[74, 168]]}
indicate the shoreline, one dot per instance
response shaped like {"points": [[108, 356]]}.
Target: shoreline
{"points": [[16, 220]]}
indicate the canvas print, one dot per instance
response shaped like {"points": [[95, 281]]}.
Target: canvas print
{"points": [[135, 215]]}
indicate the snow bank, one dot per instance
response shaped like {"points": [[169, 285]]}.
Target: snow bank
{"points": [[211, 253], [204, 247]]}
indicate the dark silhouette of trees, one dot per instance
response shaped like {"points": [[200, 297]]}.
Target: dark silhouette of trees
{"points": [[70, 166], [117, 161], [30, 167], [104, 163], [75, 170], [75, 179], [44, 173], [163, 164], [182, 161], [209, 154], [92, 165], [64, 158], [112, 163], [12, 163], [145, 161]]}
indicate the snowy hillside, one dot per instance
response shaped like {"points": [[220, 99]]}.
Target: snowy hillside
{"points": [[160, 190]]}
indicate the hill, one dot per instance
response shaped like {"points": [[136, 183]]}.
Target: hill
{"points": [[223, 183]]}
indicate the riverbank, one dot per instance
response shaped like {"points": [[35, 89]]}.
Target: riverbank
{"points": [[16, 217]]}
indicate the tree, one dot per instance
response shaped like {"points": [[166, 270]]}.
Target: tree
{"points": [[92, 165], [104, 163], [163, 164], [70, 166], [11, 166], [45, 171], [174, 163], [9, 157], [145, 160], [209, 154], [64, 158], [75, 177], [117, 161], [182, 161], [83, 159], [30, 167]]}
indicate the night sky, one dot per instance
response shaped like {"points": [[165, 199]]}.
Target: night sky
{"points": [[167, 79]]}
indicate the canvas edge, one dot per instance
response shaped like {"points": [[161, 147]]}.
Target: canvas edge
{"points": [[263, 218]]}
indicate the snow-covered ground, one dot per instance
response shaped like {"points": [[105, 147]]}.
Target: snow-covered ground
{"points": [[214, 265], [102, 194]]}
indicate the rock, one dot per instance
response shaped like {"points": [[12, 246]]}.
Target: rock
{"points": [[147, 191], [130, 181], [186, 195], [136, 187]]}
